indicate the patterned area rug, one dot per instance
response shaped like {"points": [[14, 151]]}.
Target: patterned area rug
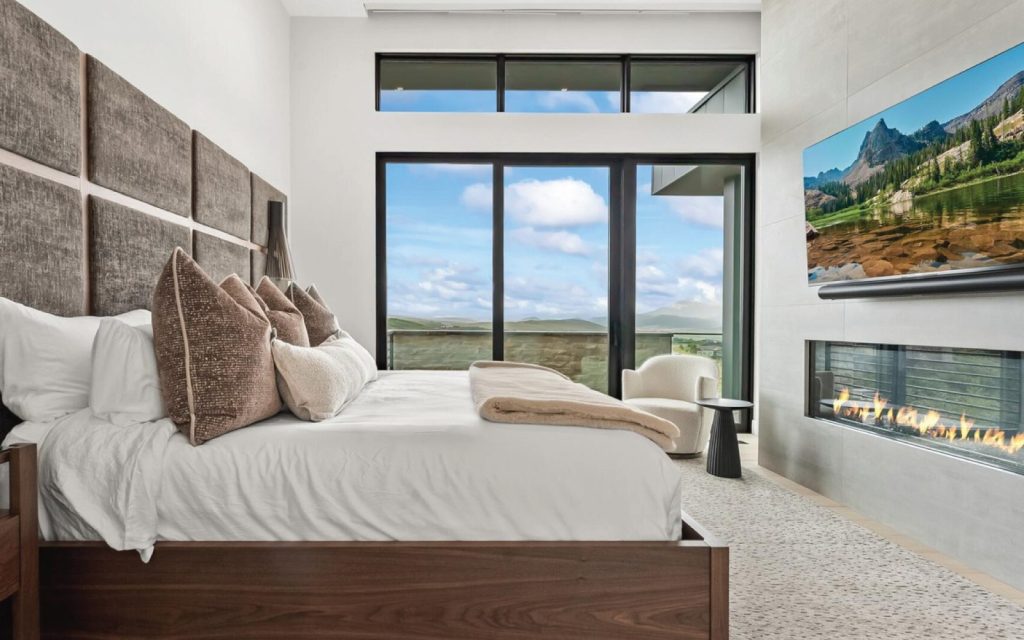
{"points": [[799, 571]]}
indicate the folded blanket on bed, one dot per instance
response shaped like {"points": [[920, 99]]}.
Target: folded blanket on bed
{"points": [[530, 394]]}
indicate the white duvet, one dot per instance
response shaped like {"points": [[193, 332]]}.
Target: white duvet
{"points": [[409, 459]]}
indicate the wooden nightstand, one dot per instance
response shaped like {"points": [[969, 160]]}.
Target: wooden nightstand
{"points": [[19, 544]]}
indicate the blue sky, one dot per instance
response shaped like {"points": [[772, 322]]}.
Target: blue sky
{"points": [[556, 235], [944, 101], [464, 101]]}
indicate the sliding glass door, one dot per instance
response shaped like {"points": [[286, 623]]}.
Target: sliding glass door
{"points": [[685, 254], [585, 264], [439, 280], [556, 269]]}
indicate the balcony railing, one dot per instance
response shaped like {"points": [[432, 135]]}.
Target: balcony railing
{"points": [[581, 355]]}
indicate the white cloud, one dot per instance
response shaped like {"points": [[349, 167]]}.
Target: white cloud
{"points": [[649, 273], [552, 298], [478, 196], [561, 100], [697, 277], [449, 290], [708, 211], [445, 283], [560, 241], [706, 292], [563, 202], [664, 101], [707, 263]]}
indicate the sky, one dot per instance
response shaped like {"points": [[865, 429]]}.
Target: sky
{"points": [[538, 101], [439, 237], [943, 102]]}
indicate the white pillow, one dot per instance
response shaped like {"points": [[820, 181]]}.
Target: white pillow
{"points": [[317, 382], [366, 361], [125, 382], [45, 360]]}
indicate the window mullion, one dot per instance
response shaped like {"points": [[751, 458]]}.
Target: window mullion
{"points": [[498, 261], [501, 83], [624, 97]]}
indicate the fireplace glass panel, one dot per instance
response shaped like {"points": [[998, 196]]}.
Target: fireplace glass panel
{"points": [[965, 402]]}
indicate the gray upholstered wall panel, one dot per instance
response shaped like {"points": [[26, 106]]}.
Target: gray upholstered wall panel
{"points": [[262, 193], [40, 100], [41, 245], [259, 266], [136, 147], [219, 258], [222, 195], [127, 251]]}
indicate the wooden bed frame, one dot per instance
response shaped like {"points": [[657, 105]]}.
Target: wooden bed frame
{"points": [[370, 590]]}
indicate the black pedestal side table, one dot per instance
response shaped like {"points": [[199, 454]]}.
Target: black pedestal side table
{"points": [[724, 448]]}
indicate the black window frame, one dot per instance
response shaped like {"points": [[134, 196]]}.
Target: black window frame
{"points": [[621, 248], [624, 61]]}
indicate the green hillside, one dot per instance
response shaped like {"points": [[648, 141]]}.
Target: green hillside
{"points": [[399, 323]]}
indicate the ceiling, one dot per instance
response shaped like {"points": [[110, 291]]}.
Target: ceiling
{"points": [[363, 8]]}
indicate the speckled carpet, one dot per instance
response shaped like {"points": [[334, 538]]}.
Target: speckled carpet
{"points": [[799, 571]]}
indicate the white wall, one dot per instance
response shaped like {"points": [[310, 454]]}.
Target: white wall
{"points": [[219, 65], [827, 64], [336, 132]]}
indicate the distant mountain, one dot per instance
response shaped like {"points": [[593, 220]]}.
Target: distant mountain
{"points": [[564, 324], [400, 323], [831, 175], [880, 145], [929, 133], [883, 144], [990, 106], [686, 315]]}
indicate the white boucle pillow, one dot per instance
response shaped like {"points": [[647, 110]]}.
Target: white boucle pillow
{"points": [[366, 361], [317, 382]]}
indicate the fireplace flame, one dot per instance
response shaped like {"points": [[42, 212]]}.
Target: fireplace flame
{"points": [[879, 403], [840, 400], [926, 423]]}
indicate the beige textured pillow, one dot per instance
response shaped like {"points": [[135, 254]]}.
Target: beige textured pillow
{"points": [[317, 382], [284, 316], [366, 362], [212, 350], [320, 321]]}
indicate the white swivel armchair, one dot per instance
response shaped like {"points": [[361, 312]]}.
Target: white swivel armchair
{"points": [[668, 387]]}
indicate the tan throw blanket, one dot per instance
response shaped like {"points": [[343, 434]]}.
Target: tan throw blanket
{"points": [[521, 393]]}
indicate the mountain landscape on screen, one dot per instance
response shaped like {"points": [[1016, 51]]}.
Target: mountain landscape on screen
{"points": [[934, 183]]}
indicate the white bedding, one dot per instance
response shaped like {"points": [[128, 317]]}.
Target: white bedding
{"points": [[409, 459]]}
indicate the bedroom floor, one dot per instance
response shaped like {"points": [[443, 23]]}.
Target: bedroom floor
{"points": [[803, 566]]}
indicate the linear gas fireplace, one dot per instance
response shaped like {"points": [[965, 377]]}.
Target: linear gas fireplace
{"points": [[964, 402]]}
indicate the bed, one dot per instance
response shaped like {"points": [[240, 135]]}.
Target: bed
{"points": [[405, 516]]}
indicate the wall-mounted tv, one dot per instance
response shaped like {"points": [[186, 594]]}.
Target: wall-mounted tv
{"points": [[932, 184]]}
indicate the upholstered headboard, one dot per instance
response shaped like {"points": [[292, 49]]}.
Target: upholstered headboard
{"points": [[98, 183]]}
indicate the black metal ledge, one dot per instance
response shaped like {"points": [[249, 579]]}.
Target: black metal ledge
{"points": [[1009, 278]]}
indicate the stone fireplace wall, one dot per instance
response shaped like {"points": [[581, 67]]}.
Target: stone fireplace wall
{"points": [[827, 64]]}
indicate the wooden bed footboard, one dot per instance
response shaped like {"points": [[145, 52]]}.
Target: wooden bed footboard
{"points": [[393, 590], [19, 547]]}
